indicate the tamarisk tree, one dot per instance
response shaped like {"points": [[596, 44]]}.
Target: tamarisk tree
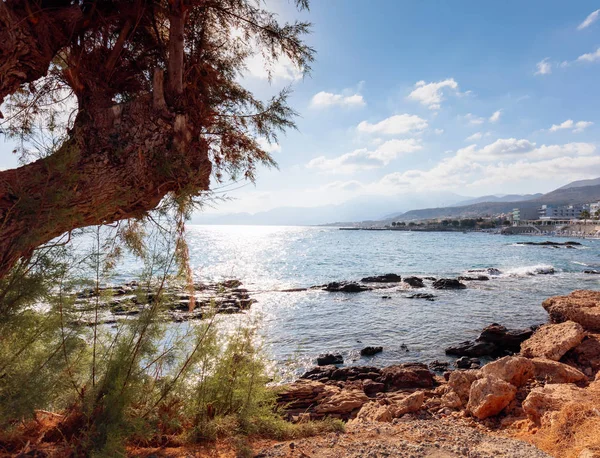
{"points": [[150, 95]]}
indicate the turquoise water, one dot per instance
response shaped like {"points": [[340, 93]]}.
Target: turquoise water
{"points": [[297, 326]]}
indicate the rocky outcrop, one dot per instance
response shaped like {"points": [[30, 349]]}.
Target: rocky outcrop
{"points": [[515, 370], [342, 404], [414, 282], [472, 349], [552, 341], [587, 353], [550, 398], [477, 278], [370, 351], [409, 375], [345, 287], [550, 371], [489, 396], [581, 306], [330, 358], [489, 271], [494, 340], [387, 278], [448, 283]]}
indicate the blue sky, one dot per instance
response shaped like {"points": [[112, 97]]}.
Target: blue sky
{"points": [[422, 97]]}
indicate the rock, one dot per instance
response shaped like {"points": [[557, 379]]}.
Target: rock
{"points": [[581, 306], [430, 278], [467, 363], [555, 372], [515, 370], [329, 358], [346, 287], [549, 243], [414, 282], [371, 388], [460, 382], [472, 349], [503, 338], [408, 375], [489, 271], [343, 374], [439, 366], [386, 297], [342, 403], [477, 278], [409, 404], [587, 353], [550, 398], [451, 400], [373, 411], [387, 278], [552, 341], [489, 396], [593, 272], [304, 394], [426, 296], [448, 283], [370, 351]]}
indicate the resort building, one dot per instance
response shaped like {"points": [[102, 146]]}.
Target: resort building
{"points": [[562, 212], [524, 214]]}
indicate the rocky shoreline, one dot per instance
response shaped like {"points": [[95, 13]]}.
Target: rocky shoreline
{"points": [[538, 373]]}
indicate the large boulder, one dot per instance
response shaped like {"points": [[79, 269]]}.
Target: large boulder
{"points": [[460, 383], [581, 306], [515, 370], [472, 349], [374, 411], [555, 372], [448, 283], [343, 403], [489, 396], [387, 278], [408, 375], [552, 341], [550, 398], [407, 404], [503, 338]]}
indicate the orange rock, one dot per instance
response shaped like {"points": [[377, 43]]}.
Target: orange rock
{"points": [[552, 341]]}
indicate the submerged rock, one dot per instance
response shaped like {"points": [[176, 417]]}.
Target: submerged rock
{"points": [[387, 278], [346, 287], [549, 243], [370, 351], [448, 283], [330, 358], [477, 278], [414, 282], [426, 296]]}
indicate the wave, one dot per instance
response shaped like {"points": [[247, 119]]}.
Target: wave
{"points": [[539, 269], [587, 264]]}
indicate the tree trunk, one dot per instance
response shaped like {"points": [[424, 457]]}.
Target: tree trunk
{"points": [[119, 163]]}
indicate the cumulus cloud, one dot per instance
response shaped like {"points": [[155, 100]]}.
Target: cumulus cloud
{"points": [[569, 124], [394, 125], [327, 99], [496, 116], [268, 146], [592, 17], [472, 119], [432, 94], [282, 69], [590, 57], [364, 159], [544, 67], [473, 138]]}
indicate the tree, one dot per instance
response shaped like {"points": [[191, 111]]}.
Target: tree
{"points": [[393, 223], [584, 215], [142, 100], [597, 214]]}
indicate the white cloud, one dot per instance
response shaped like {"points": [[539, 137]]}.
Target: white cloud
{"points": [[282, 69], [576, 127], [431, 94], [348, 186], [592, 17], [543, 67], [473, 138], [327, 99], [472, 119], [438, 131], [394, 125], [590, 57], [363, 159], [268, 146], [496, 116]]}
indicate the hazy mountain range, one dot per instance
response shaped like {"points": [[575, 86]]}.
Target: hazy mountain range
{"points": [[408, 207]]}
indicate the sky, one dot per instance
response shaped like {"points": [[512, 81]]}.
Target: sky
{"points": [[468, 97]]}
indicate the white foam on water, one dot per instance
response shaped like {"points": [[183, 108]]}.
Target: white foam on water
{"points": [[525, 271]]}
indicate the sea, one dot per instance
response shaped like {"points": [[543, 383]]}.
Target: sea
{"points": [[296, 326]]}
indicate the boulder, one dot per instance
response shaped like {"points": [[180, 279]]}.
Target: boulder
{"points": [[346, 287], [555, 372], [426, 296], [587, 353], [387, 278], [373, 411], [342, 403], [477, 278], [506, 339], [515, 370], [581, 306], [370, 351], [551, 398], [451, 400], [460, 382], [465, 362], [408, 375], [414, 282], [304, 394], [593, 272], [408, 404], [439, 366], [552, 341], [489, 396], [472, 349], [448, 283], [330, 358]]}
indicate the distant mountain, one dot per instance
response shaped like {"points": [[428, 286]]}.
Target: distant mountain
{"points": [[506, 198], [567, 195], [581, 183], [358, 209]]}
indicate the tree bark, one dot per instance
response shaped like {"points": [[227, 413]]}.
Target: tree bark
{"points": [[119, 163]]}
